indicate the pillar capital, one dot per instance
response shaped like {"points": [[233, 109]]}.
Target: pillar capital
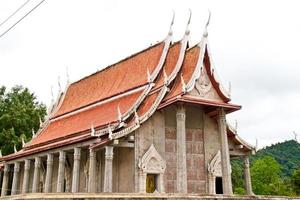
{"points": [[27, 165], [180, 112], [222, 114], [16, 167], [77, 153], [62, 156], [6, 168], [246, 162], [37, 162], [49, 159], [109, 153]]}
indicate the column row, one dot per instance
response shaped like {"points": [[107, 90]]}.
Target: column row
{"points": [[60, 185]]}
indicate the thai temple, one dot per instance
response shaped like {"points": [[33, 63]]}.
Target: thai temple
{"points": [[154, 122]]}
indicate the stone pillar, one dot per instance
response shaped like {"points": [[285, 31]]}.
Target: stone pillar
{"points": [[76, 170], [61, 171], [92, 172], [181, 150], [25, 187], [5, 180], [15, 182], [248, 185], [108, 169], [36, 174], [48, 181], [226, 169], [211, 184], [160, 183], [142, 181]]}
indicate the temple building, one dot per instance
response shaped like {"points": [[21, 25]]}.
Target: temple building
{"points": [[153, 122]]}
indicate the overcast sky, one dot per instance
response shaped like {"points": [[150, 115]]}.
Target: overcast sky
{"points": [[254, 44]]}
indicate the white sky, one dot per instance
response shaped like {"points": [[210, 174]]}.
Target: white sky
{"points": [[254, 44]]}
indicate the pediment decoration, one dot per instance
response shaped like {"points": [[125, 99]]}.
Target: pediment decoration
{"points": [[203, 87], [152, 162], [215, 166]]}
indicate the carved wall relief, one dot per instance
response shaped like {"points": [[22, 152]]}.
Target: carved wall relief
{"points": [[151, 163]]}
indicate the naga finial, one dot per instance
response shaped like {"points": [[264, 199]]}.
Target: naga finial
{"points": [[40, 121], [205, 33], [229, 88], [23, 142], [148, 75], [109, 132], [59, 85], [33, 133], [119, 113], [172, 23], [187, 31], [93, 132], [165, 77], [0, 153], [136, 117], [183, 84], [52, 95], [15, 149], [68, 77]]}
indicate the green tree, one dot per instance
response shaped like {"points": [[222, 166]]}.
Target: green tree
{"points": [[20, 112], [237, 176], [295, 179], [265, 173]]}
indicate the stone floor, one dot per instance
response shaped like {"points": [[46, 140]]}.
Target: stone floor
{"points": [[119, 196]]}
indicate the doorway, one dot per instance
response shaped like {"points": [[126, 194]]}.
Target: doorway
{"points": [[219, 185], [151, 183]]}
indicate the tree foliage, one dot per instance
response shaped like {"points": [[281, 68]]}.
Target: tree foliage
{"points": [[20, 113], [275, 170], [296, 180], [265, 174]]}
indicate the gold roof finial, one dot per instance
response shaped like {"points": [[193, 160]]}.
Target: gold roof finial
{"points": [[205, 33]]}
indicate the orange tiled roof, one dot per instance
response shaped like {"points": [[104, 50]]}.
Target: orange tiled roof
{"points": [[118, 78], [98, 116], [187, 69], [169, 65]]}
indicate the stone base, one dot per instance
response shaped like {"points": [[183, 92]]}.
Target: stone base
{"points": [[119, 196]]}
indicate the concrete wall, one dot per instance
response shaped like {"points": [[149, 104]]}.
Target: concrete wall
{"points": [[195, 150], [212, 143], [160, 130]]}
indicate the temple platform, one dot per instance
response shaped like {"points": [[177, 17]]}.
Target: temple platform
{"points": [[119, 196]]}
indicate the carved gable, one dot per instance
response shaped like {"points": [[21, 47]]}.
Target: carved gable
{"points": [[152, 162], [204, 89]]}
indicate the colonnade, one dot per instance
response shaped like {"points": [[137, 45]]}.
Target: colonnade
{"points": [[60, 184]]}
